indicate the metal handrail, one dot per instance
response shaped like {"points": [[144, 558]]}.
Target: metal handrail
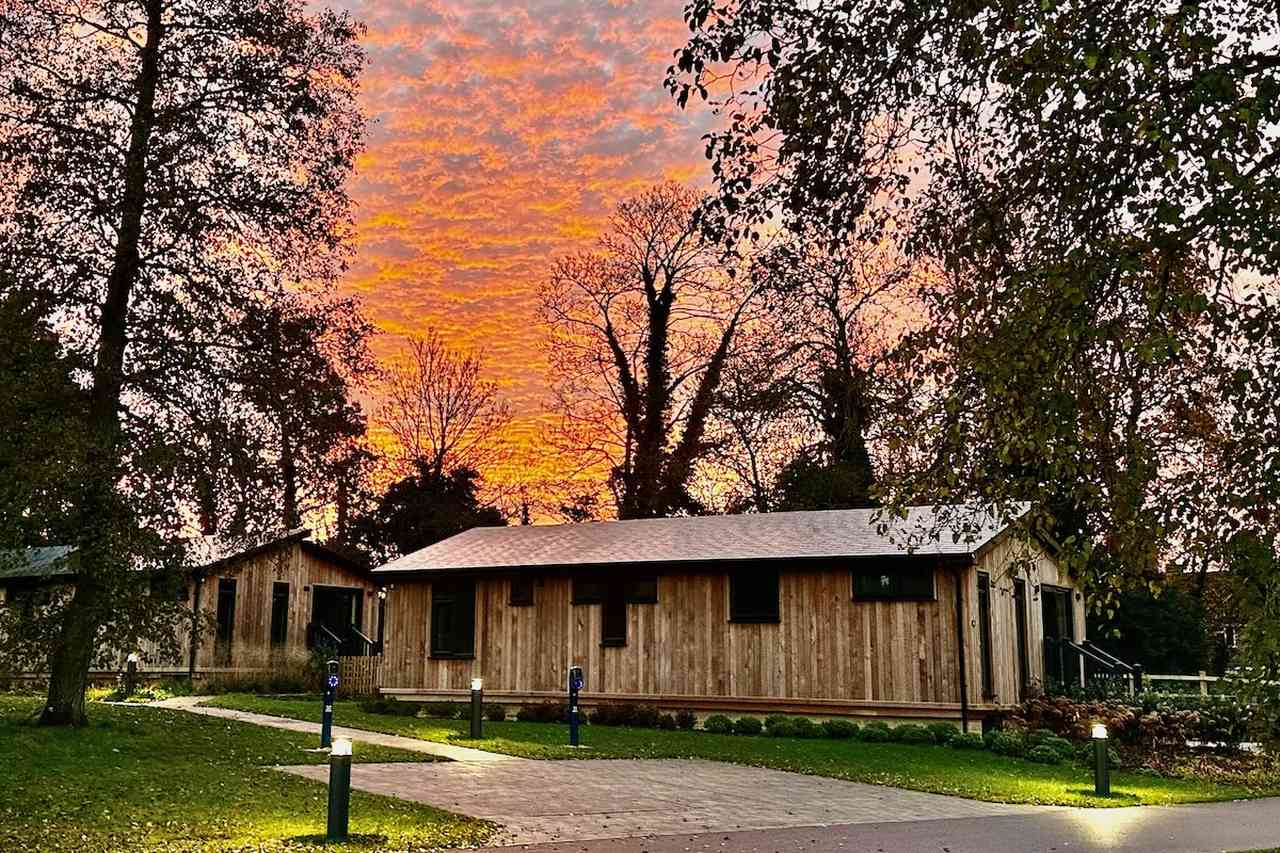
{"points": [[1103, 653], [368, 642]]}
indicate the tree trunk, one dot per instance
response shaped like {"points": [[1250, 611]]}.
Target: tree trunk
{"points": [[99, 505]]}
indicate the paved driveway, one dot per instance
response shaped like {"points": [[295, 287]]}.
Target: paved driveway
{"points": [[542, 801]]}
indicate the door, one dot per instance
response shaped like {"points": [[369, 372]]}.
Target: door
{"points": [[1020, 623], [1059, 625], [335, 612]]}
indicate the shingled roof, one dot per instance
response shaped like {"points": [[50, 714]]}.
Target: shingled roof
{"points": [[849, 533]]}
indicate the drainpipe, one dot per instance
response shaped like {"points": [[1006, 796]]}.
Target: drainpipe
{"points": [[960, 654], [195, 627]]}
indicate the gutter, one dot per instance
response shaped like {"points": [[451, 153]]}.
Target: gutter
{"points": [[960, 653]]}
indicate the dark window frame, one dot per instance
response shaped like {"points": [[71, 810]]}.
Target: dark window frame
{"points": [[225, 620], [739, 611], [895, 576], [614, 595], [613, 616], [461, 624], [521, 592], [279, 636], [985, 651]]}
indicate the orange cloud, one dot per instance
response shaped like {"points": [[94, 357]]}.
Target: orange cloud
{"points": [[505, 130]]}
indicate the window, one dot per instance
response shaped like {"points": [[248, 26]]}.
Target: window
{"points": [[589, 590], [907, 583], [614, 628], [521, 592], [279, 614], [453, 619], [1020, 623], [753, 596], [226, 620], [615, 594], [984, 634], [643, 590]]}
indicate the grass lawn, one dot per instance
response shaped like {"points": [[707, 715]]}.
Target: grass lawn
{"points": [[149, 779], [975, 774]]}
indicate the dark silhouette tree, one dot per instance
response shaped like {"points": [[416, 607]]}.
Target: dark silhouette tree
{"points": [[420, 510], [176, 166], [640, 332]]}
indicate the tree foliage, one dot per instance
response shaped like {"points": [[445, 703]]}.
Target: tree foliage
{"points": [[1090, 190], [177, 168]]}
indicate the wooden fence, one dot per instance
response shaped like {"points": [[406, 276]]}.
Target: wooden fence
{"points": [[1203, 679], [359, 676]]}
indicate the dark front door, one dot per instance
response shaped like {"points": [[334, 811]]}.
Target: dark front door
{"points": [[335, 618], [1059, 626]]}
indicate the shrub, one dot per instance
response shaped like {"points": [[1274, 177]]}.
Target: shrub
{"points": [[542, 712], [373, 706], [773, 719], [807, 728], [494, 712], [747, 726], [1044, 754], [969, 740], [1005, 743], [686, 719], [668, 722], [876, 732], [717, 724], [614, 714], [912, 733], [444, 710], [784, 728], [839, 729], [942, 732], [646, 716]]}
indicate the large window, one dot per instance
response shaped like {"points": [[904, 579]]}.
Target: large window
{"points": [[615, 594], [453, 619], [226, 620], [894, 583], [279, 614], [753, 596]]}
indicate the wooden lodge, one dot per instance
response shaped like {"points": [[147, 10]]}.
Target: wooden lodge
{"points": [[820, 613], [261, 609]]}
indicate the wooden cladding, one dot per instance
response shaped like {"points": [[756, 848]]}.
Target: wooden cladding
{"points": [[822, 645]]}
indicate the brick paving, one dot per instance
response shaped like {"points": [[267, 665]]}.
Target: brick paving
{"points": [[548, 801]]}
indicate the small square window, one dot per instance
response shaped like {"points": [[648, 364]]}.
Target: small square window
{"points": [[642, 590], [753, 596], [589, 590], [522, 592]]}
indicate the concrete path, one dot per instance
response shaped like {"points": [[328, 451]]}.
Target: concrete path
{"points": [[1200, 828], [441, 750], [581, 800]]}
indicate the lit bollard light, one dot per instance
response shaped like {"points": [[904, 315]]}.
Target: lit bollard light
{"points": [[339, 789], [477, 700], [1101, 764], [131, 675]]}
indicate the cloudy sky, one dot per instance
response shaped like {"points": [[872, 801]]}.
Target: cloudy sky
{"points": [[503, 132]]}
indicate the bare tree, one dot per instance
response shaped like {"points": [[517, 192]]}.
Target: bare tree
{"points": [[639, 334], [441, 412]]}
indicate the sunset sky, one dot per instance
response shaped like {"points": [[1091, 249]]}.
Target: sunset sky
{"points": [[504, 131]]}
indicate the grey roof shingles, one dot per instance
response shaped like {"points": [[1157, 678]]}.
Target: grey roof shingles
{"points": [[850, 533]]}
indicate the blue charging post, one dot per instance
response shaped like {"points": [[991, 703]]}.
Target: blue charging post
{"points": [[330, 691], [575, 684]]}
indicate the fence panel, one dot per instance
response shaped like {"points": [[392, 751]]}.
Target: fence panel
{"points": [[359, 676]]}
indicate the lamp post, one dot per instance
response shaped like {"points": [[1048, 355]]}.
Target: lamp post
{"points": [[1101, 764], [330, 691], [477, 699], [339, 789]]}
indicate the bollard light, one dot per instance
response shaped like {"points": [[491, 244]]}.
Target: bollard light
{"points": [[1101, 763], [339, 789], [477, 699], [326, 716], [131, 674]]}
